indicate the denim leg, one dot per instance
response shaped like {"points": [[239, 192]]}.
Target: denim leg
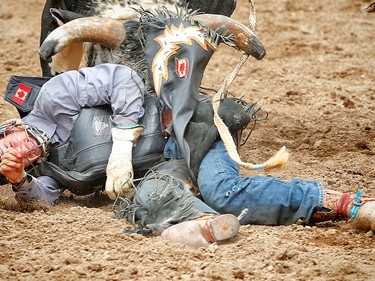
{"points": [[172, 151], [269, 200]]}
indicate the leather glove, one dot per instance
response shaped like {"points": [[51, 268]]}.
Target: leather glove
{"points": [[120, 167]]}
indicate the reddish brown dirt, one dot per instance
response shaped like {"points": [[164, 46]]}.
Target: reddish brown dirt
{"points": [[317, 84]]}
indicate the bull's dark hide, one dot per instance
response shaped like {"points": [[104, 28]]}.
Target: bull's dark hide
{"points": [[96, 7], [130, 53]]}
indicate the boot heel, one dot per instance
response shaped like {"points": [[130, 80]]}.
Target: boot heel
{"points": [[223, 227]]}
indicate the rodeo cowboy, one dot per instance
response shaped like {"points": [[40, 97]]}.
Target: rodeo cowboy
{"points": [[69, 141]]}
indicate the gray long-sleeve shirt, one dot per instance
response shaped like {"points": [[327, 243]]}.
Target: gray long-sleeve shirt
{"points": [[60, 101]]}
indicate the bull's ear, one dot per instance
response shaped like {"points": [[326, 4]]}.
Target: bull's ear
{"points": [[63, 16]]}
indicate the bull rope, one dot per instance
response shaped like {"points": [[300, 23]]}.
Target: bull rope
{"points": [[279, 160]]}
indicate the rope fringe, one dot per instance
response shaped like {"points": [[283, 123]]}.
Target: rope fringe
{"points": [[278, 161]]}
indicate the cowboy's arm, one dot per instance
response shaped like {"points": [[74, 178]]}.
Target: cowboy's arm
{"points": [[121, 89], [42, 188], [26, 187], [124, 94]]}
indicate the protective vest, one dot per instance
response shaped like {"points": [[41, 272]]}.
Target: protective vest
{"points": [[79, 164]]}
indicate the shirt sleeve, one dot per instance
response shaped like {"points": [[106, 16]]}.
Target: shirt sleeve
{"points": [[42, 188], [119, 86], [126, 105]]}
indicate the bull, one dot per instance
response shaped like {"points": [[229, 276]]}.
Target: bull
{"points": [[170, 50], [58, 12]]}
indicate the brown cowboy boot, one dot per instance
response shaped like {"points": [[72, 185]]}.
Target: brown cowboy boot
{"points": [[203, 231], [362, 212], [365, 218]]}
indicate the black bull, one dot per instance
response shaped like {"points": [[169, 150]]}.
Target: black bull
{"points": [[93, 7], [174, 67]]}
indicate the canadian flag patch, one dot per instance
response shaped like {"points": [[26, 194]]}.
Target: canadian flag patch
{"points": [[182, 67], [21, 94]]}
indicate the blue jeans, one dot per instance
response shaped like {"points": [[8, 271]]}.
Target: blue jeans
{"points": [[269, 200]]}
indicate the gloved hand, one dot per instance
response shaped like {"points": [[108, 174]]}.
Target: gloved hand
{"points": [[120, 167]]}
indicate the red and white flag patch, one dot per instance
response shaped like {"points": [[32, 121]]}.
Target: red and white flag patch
{"points": [[182, 67], [21, 94]]}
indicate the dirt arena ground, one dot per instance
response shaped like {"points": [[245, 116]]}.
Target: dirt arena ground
{"points": [[317, 82]]}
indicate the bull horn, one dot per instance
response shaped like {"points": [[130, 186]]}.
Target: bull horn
{"points": [[245, 38], [105, 31], [370, 8]]}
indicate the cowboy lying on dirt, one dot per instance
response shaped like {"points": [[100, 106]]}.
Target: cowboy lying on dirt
{"points": [[163, 203], [65, 142]]}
